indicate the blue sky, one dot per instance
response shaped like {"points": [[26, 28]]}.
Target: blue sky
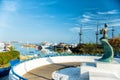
{"points": [[56, 20]]}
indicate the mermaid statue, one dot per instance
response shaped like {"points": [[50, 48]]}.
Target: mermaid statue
{"points": [[108, 50]]}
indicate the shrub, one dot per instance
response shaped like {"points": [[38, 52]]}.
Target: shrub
{"points": [[115, 43], [6, 57], [14, 54], [88, 48]]}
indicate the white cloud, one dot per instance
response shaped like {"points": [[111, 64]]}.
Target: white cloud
{"points": [[99, 17], [86, 16], [115, 24], [7, 6], [10, 6], [91, 20], [85, 20], [77, 29], [109, 12], [115, 20], [77, 24], [48, 2]]}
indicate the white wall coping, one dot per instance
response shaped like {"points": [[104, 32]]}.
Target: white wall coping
{"points": [[24, 67]]}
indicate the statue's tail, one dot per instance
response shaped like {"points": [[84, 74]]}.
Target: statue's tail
{"points": [[108, 51]]}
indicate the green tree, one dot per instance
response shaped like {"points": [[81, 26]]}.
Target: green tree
{"points": [[12, 48]]}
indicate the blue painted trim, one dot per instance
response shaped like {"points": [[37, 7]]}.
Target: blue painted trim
{"points": [[4, 71], [20, 77]]}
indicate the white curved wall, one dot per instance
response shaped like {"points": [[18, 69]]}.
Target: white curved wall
{"points": [[26, 66]]}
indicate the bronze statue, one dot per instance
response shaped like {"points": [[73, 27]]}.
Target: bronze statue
{"points": [[108, 50], [104, 31]]}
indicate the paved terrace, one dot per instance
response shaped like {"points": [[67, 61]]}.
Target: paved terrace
{"points": [[45, 72], [42, 68]]}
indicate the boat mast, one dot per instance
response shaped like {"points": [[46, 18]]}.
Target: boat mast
{"points": [[97, 35], [113, 32], [80, 35]]}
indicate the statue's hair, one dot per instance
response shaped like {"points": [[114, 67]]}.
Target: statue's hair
{"points": [[106, 25]]}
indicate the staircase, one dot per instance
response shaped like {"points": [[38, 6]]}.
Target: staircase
{"points": [[101, 71]]}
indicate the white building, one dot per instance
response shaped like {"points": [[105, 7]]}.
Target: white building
{"points": [[2, 46]]}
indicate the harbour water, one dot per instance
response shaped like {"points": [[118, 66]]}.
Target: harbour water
{"points": [[31, 51]]}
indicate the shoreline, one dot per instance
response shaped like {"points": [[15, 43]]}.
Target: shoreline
{"points": [[26, 57]]}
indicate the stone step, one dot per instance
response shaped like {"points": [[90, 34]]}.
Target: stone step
{"points": [[100, 72], [102, 76], [109, 67]]}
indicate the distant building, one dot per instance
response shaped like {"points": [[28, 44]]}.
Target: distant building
{"points": [[7, 46], [47, 45], [2, 46]]}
